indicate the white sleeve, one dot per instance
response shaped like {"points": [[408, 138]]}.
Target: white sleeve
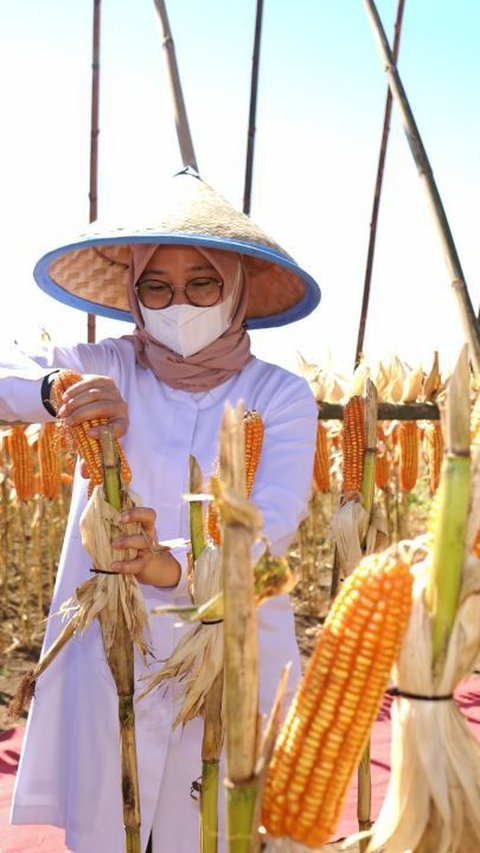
{"points": [[21, 375], [284, 475]]}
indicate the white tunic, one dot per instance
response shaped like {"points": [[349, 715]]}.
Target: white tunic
{"points": [[69, 770]]}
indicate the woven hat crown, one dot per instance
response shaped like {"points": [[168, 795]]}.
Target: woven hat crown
{"points": [[92, 272]]}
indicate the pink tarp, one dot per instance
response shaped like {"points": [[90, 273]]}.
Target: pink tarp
{"points": [[28, 839]]}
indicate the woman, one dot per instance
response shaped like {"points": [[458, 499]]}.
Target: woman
{"points": [[190, 286]]}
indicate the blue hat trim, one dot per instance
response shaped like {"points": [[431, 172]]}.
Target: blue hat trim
{"points": [[309, 302]]}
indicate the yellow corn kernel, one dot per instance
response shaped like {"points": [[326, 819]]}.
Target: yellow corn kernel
{"points": [[353, 443], [328, 723], [407, 440], [321, 464]]}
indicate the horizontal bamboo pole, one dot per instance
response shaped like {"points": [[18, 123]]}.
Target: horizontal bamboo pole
{"points": [[386, 412], [334, 412]]}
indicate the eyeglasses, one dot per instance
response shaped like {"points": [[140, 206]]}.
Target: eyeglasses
{"points": [[202, 292]]}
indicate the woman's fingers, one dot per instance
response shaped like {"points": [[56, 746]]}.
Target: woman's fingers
{"points": [[95, 397]]}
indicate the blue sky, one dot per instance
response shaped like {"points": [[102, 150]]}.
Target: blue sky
{"points": [[320, 111]]}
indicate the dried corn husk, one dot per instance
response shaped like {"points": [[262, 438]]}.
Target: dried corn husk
{"points": [[198, 657], [99, 524], [351, 526], [434, 788]]}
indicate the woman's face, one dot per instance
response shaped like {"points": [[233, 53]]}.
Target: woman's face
{"points": [[177, 275]]}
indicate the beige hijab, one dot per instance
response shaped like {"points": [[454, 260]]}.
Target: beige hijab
{"points": [[218, 361]]}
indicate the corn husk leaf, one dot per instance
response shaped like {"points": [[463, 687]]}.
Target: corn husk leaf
{"points": [[198, 658], [99, 524], [350, 526], [434, 787]]}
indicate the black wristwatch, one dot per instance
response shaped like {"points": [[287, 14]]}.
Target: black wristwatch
{"points": [[47, 383]]}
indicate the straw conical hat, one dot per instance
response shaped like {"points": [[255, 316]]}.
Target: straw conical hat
{"points": [[91, 273]]}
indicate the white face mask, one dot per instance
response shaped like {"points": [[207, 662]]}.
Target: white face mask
{"points": [[186, 329]]}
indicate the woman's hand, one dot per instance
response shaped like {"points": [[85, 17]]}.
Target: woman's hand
{"points": [[95, 397], [152, 565]]}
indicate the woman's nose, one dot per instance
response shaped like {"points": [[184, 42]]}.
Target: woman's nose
{"points": [[179, 296]]}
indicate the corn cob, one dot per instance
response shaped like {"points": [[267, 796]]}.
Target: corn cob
{"points": [[382, 462], [253, 437], [49, 462], [353, 442], [87, 446], [321, 464], [21, 459], [329, 720], [407, 438], [433, 444]]}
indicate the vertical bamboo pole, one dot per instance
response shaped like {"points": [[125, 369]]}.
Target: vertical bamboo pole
{"points": [[181, 121], [121, 662], [364, 799], [467, 314], [247, 193], [241, 648], [94, 132], [377, 195]]}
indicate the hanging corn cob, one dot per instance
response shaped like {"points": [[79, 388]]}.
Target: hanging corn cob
{"points": [[407, 442], [382, 465], [328, 723], [49, 462], [353, 444], [321, 464], [433, 444], [253, 439], [22, 463]]}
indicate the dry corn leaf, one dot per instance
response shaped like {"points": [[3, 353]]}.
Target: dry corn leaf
{"points": [[412, 386]]}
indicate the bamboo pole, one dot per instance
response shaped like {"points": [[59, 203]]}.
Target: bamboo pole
{"points": [[213, 726], [181, 121], [241, 523], [247, 193], [120, 660], [467, 314], [377, 195], [364, 795], [94, 132]]}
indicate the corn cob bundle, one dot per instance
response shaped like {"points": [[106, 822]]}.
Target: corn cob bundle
{"points": [[329, 720], [407, 442], [79, 436], [321, 464], [433, 444], [21, 459], [49, 462], [382, 464], [118, 604], [253, 441]]}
